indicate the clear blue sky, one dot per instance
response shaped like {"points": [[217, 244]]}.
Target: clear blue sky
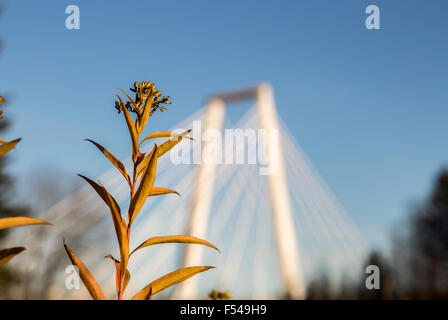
{"points": [[368, 107]]}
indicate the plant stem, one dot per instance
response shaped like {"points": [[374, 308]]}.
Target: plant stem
{"points": [[123, 274], [121, 291]]}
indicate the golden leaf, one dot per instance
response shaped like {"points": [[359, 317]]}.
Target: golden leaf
{"points": [[161, 150], [174, 239], [85, 275], [127, 275], [6, 147], [136, 108], [167, 281], [117, 163], [19, 221], [8, 254], [165, 134], [131, 127], [156, 191], [143, 164], [171, 143], [144, 189], [143, 120], [119, 224]]}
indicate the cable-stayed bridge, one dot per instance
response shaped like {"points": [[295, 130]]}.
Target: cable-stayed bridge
{"points": [[276, 230]]}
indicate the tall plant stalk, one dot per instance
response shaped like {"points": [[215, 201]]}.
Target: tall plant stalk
{"points": [[146, 102]]}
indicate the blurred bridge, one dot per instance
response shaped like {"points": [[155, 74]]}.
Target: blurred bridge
{"points": [[276, 232]]}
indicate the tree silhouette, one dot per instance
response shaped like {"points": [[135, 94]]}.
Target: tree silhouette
{"points": [[429, 235]]}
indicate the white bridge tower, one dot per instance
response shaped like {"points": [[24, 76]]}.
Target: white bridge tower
{"points": [[285, 233]]}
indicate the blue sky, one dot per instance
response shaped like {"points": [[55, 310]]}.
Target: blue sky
{"points": [[369, 107]]}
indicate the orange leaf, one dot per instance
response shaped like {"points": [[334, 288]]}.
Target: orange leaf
{"points": [[85, 275], [167, 281], [6, 147], [144, 189], [136, 108], [156, 191], [174, 239], [161, 150], [143, 120], [165, 134], [8, 254], [117, 163], [19, 221], [127, 276], [131, 127], [120, 226]]}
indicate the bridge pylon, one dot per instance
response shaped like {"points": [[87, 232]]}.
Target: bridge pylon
{"points": [[279, 197]]}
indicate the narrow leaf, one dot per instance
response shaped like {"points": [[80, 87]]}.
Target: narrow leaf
{"points": [[164, 134], [121, 231], [127, 275], [144, 188], [85, 275], [119, 224], [174, 239], [146, 113], [136, 108], [161, 150], [167, 281], [156, 191], [143, 164], [8, 254], [6, 147], [19, 221], [101, 192], [169, 144], [131, 127], [117, 163]]}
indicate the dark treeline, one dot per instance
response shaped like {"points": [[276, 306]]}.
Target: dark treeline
{"points": [[417, 265], [7, 209]]}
